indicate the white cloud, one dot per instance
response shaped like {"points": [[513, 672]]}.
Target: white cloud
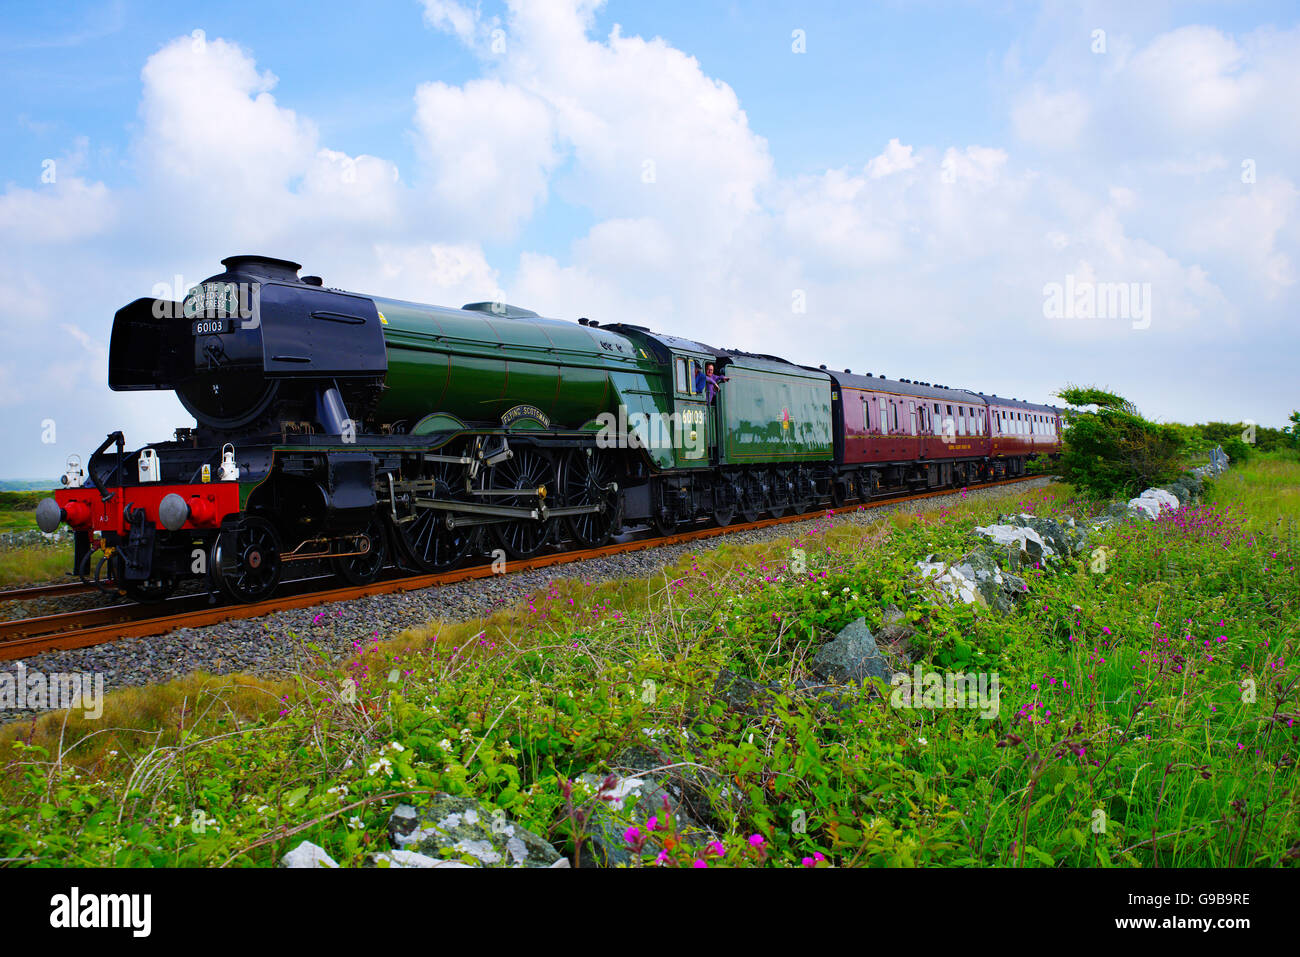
{"points": [[896, 157], [66, 210], [453, 17], [926, 260], [490, 149], [1051, 121], [430, 272], [1193, 79], [211, 120]]}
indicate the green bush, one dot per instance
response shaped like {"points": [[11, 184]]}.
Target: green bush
{"points": [[1238, 451], [1111, 450]]}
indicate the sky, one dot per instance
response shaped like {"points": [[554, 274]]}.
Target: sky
{"points": [[1007, 197]]}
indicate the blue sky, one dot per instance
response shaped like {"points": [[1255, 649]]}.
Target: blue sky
{"points": [[920, 175]]}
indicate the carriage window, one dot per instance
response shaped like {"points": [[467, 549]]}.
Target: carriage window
{"points": [[866, 414], [961, 421], [882, 425], [897, 427], [911, 411]]}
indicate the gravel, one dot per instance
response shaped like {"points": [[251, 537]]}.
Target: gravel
{"points": [[277, 643]]}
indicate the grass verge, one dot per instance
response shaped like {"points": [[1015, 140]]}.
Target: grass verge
{"points": [[1146, 712]]}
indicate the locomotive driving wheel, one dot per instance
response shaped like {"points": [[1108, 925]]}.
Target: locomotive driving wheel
{"points": [[533, 475], [370, 548], [428, 537], [245, 559], [588, 481]]}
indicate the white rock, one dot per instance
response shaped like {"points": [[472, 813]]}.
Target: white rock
{"points": [[1149, 508], [419, 834], [483, 850], [623, 789], [1153, 501], [952, 581], [517, 850], [412, 859], [1013, 535], [308, 854]]}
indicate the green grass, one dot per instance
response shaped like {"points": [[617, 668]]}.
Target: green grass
{"points": [[1267, 491], [18, 510], [34, 563], [1147, 712]]}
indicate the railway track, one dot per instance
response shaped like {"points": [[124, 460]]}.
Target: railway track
{"points": [[23, 638], [56, 590]]}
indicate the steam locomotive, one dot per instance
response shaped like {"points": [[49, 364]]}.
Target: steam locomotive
{"points": [[363, 432]]}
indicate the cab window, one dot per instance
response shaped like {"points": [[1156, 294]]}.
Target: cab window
{"points": [[681, 375]]}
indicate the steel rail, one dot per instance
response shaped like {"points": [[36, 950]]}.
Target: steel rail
{"points": [[26, 637]]}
